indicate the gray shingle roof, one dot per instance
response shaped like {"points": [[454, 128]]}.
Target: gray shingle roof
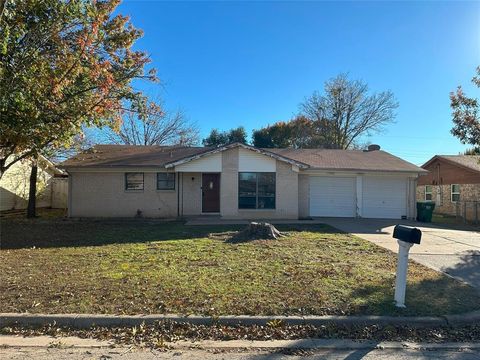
{"points": [[131, 155], [159, 156], [328, 159]]}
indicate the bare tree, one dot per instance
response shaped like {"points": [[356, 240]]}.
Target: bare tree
{"points": [[154, 126], [346, 111]]}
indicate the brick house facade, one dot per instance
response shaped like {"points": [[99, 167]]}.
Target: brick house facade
{"points": [[453, 183]]}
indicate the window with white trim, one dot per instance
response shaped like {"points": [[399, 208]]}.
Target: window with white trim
{"points": [[134, 181], [165, 181], [428, 193], [455, 192]]}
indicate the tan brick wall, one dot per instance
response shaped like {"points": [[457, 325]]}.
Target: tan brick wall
{"points": [[303, 195], [191, 194], [441, 195], [103, 194], [286, 191], [229, 183]]}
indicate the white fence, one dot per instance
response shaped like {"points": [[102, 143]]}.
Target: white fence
{"points": [[54, 194], [59, 191]]}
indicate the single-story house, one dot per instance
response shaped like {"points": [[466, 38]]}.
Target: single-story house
{"points": [[453, 183], [240, 181], [15, 186]]}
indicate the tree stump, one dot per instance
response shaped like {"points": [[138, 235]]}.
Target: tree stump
{"points": [[262, 230], [256, 231]]}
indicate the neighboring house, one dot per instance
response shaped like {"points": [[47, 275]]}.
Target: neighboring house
{"points": [[240, 181], [51, 186], [453, 183]]}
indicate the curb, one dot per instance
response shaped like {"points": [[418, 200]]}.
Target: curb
{"points": [[85, 321]]}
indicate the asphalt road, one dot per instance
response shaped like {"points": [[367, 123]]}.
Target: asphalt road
{"points": [[452, 251], [131, 354]]}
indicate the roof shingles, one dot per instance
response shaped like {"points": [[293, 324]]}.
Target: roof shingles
{"points": [[328, 159], [159, 156]]}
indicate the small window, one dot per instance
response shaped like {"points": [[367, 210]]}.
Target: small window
{"points": [[133, 181], [428, 193], [455, 192], [256, 190], [165, 181]]}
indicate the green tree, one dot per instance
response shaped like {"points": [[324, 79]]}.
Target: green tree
{"points": [[218, 138], [465, 114], [472, 151], [63, 65], [296, 133]]}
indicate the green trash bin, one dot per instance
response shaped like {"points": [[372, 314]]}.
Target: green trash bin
{"points": [[425, 211]]}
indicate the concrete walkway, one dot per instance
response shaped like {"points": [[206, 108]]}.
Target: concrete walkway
{"points": [[451, 251]]}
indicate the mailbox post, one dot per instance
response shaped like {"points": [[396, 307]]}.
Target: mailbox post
{"points": [[406, 237]]}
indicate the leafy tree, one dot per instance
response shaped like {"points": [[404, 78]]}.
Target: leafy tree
{"points": [[63, 64], [154, 127], [472, 151], [346, 111], [2, 7], [296, 133], [466, 118], [218, 138], [237, 135]]}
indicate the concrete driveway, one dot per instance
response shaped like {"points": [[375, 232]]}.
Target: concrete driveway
{"points": [[451, 251]]}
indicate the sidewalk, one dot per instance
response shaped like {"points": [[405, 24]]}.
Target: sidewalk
{"points": [[14, 348], [231, 345]]}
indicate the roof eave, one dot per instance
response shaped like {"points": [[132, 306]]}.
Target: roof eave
{"points": [[416, 171], [234, 145]]}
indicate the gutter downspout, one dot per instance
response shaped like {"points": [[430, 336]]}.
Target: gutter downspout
{"points": [[178, 194], [70, 191], [182, 192]]}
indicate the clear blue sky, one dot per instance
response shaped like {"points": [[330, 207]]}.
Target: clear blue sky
{"points": [[228, 64]]}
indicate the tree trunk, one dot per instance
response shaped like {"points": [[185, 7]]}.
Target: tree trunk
{"points": [[262, 230], [3, 3], [32, 194]]}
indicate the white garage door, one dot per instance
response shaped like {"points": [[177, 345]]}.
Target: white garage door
{"points": [[384, 197], [332, 196]]}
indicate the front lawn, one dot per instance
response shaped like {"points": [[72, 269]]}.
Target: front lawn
{"points": [[129, 267]]}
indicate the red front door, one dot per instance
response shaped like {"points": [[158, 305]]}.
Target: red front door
{"points": [[211, 193]]}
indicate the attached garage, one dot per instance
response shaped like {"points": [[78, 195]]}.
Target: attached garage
{"points": [[332, 196], [366, 196], [384, 197]]}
